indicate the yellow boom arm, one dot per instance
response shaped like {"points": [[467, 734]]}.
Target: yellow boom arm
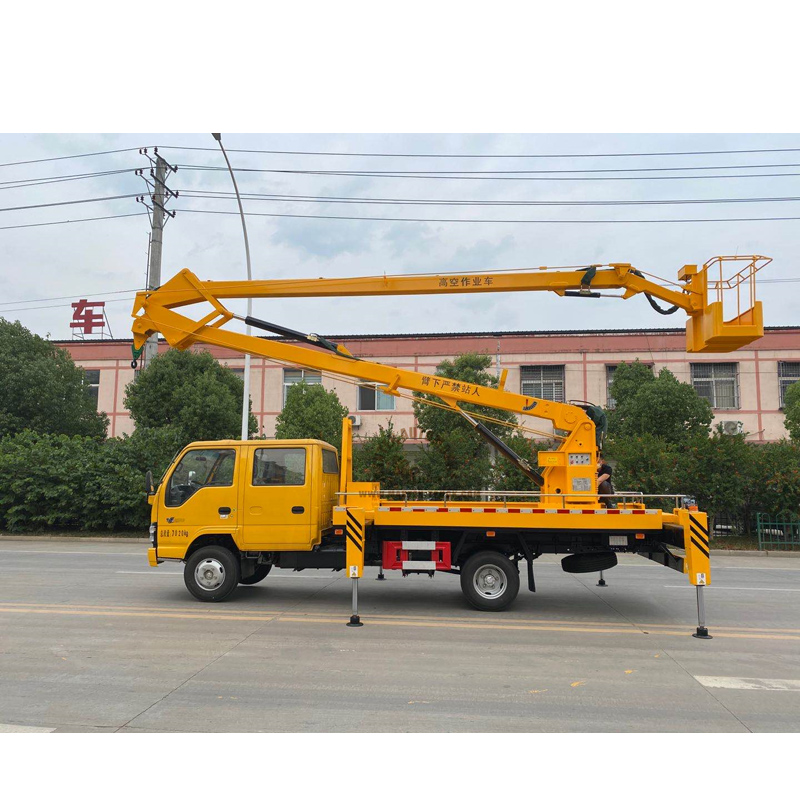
{"points": [[702, 292], [570, 470]]}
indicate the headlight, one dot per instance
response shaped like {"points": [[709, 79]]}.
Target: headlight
{"points": [[153, 529]]}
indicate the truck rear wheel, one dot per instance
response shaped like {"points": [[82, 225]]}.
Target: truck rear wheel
{"points": [[261, 572], [490, 581], [211, 574]]}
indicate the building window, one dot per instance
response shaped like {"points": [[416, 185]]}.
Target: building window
{"points": [[717, 383], [610, 370], [370, 399], [293, 376], [91, 379], [546, 382], [236, 371], [788, 373]]}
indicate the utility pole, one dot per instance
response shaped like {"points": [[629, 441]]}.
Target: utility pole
{"points": [[159, 195]]}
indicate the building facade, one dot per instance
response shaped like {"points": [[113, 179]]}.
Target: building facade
{"points": [[746, 386]]}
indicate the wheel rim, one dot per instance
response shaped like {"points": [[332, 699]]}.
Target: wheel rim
{"points": [[490, 581], [209, 574]]}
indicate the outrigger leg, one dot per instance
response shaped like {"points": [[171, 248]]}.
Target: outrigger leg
{"points": [[355, 620], [601, 582], [702, 631]]}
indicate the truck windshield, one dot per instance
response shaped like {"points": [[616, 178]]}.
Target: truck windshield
{"points": [[199, 468]]}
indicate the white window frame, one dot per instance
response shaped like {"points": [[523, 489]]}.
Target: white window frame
{"points": [[380, 397], [535, 386], [786, 380], [713, 379], [94, 388], [310, 376]]}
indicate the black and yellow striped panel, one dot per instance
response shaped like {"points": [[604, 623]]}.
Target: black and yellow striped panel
{"points": [[697, 548], [355, 532]]}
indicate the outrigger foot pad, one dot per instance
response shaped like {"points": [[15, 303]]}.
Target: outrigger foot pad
{"points": [[601, 582], [702, 633], [355, 622]]}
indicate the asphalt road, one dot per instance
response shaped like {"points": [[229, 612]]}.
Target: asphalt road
{"points": [[92, 639]]}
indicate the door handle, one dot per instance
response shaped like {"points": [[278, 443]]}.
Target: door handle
{"points": [[224, 510], [298, 510]]}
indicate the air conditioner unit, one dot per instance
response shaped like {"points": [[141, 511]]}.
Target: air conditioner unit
{"points": [[731, 427], [355, 419]]}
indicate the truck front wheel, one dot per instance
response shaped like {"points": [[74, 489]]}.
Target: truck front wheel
{"points": [[211, 574], [490, 581]]}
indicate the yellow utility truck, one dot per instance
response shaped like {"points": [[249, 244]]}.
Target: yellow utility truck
{"points": [[234, 510]]}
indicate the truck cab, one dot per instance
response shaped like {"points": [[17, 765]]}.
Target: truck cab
{"points": [[252, 498]]}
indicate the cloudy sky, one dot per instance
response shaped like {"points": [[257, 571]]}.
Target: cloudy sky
{"points": [[51, 265]]}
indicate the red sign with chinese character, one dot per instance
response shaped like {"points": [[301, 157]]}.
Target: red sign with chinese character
{"points": [[85, 317]]}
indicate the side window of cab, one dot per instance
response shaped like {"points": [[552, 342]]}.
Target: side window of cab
{"points": [[279, 466], [199, 469]]}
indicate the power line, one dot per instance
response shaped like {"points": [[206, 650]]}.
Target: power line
{"points": [[70, 221], [211, 195], [64, 158], [516, 221], [456, 172], [496, 155], [69, 297], [24, 183], [57, 305], [484, 177], [71, 202]]}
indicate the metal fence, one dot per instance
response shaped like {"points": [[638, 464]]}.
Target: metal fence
{"points": [[778, 531]]}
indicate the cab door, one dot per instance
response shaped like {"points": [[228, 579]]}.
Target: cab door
{"points": [[277, 512], [200, 496]]}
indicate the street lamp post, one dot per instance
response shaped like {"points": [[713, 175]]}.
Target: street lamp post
{"points": [[246, 397]]}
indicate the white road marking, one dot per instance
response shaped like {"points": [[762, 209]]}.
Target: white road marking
{"points": [[141, 553], [770, 684], [737, 588], [180, 574], [23, 729]]}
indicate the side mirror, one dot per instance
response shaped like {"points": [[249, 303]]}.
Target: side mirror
{"points": [[149, 486]]}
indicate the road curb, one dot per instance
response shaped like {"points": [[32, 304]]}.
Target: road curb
{"points": [[758, 553]]}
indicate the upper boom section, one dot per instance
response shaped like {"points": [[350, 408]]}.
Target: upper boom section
{"points": [[702, 292]]}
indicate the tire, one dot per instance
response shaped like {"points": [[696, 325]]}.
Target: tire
{"points": [[589, 562], [211, 574], [262, 570], [490, 581]]}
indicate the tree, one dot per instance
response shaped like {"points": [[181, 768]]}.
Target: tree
{"points": [[41, 389], [791, 409], [382, 458], [190, 392], [718, 472], [776, 477], [311, 412], [645, 463], [662, 406]]}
